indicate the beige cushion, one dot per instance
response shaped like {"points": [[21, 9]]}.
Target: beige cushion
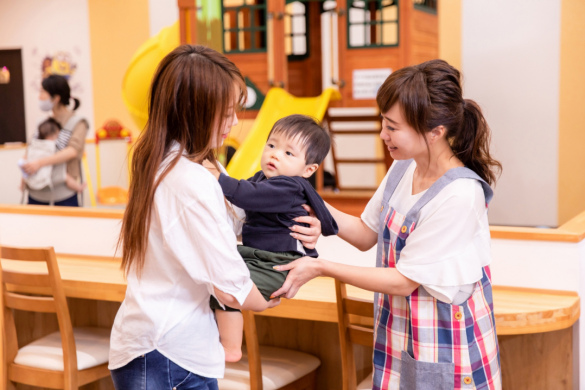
{"points": [[366, 384], [279, 368], [93, 347]]}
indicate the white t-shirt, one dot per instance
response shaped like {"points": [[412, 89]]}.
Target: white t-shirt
{"points": [[450, 243], [191, 249]]}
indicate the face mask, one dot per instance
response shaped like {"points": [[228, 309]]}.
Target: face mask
{"points": [[46, 105]]}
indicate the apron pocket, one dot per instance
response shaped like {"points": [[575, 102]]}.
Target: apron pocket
{"points": [[416, 375]]}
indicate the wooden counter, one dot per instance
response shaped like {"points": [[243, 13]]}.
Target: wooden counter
{"points": [[517, 310]]}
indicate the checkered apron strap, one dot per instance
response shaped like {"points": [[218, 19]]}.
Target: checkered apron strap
{"points": [[450, 176], [398, 171]]}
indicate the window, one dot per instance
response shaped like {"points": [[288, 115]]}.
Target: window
{"points": [[426, 5], [372, 23], [295, 31], [244, 26]]}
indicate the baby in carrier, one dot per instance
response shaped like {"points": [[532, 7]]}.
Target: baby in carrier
{"points": [[45, 144]]}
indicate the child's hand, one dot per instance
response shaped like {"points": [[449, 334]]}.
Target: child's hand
{"points": [[211, 168]]}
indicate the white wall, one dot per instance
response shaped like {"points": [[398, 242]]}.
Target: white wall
{"points": [[510, 61], [41, 28], [162, 13]]}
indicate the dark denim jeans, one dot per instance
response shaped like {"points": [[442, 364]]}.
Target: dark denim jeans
{"points": [[153, 371], [72, 202]]}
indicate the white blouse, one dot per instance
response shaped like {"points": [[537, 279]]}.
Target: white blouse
{"points": [[191, 249], [450, 243]]}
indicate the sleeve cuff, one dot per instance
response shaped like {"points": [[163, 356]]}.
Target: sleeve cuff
{"points": [[244, 292], [228, 184]]}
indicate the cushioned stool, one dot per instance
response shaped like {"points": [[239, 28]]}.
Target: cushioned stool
{"points": [[269, 368]]}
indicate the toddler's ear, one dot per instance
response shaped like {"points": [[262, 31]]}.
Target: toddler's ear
{"points": [[309, 170]]}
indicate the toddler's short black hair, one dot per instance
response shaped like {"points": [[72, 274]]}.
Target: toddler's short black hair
{"points": [[48, 127], [312, 136]]}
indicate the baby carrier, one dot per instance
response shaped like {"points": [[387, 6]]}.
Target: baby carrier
{"points": [[48, 175]]}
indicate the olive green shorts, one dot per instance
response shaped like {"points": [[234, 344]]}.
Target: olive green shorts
{"points": [[265, 277]]}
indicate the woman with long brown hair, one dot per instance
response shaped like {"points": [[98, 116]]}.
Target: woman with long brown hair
{"points": [[434, 321], [178, 241]]}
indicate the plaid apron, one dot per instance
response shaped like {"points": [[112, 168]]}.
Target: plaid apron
{"points": [[420, 342]]}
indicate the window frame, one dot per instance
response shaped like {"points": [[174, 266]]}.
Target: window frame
{"points": [[370, 23], [253, 29], [300, 57]]}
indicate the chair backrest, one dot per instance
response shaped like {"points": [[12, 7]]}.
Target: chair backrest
{"points": [[253, 348], [29, 287], [355, 320]]}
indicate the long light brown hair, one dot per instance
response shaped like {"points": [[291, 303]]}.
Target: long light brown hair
{"points": [[191, 96], [430, 95]]}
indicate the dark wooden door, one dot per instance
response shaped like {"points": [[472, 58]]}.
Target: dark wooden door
{"points": [[12, 125]]}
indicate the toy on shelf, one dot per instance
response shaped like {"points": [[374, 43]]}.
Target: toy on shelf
{"points": [[112, 195]]}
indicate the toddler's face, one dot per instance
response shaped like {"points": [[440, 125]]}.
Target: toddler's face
{"points": [[285, 156]]}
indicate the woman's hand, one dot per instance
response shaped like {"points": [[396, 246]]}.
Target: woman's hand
{"points": [[301, 271], [211, 168], [31, 167], [308, 236]]}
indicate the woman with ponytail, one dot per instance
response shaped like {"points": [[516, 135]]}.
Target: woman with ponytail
{"points": [[434, 322], [55, 96]]}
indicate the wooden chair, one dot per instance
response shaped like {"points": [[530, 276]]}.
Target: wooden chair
{"points": [[355, 319], [269, 368], [65, 359]]}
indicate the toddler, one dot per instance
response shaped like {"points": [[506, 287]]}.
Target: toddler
{"points": [[272, 198]]}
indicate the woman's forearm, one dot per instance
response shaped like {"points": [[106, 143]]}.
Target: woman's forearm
{"points": [[353, 229], [383, 280], [60, 157]]}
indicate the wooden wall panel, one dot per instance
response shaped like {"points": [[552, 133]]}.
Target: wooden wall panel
{"points": [[365, 59], [540, 361], [305, 76], [254, 67], [425, 37]]}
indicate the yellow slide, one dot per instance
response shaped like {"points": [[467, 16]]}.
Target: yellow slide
{"points": [[277, 104], [136, 83]]}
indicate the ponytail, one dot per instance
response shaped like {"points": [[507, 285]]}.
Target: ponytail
{"points": [[471, 143], [57, 85], [76, 104]]}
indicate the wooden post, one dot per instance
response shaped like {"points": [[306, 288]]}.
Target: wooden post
{"points": [[277, 61], [405, 35], [187, 21]]}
